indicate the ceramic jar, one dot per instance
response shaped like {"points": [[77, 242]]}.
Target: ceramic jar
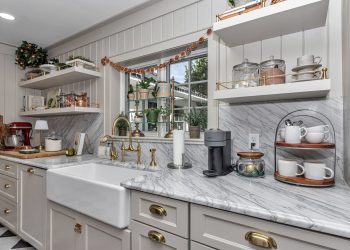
{"points": [[250, 164]]}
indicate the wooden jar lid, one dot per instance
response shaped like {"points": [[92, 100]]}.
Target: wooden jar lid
{"points": [[254, 155]]}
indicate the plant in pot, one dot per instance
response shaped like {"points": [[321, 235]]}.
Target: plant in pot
{"points": [[122, 126], [152, 115], [196, 119], [155, 90], [131, 94], [31, 56], [144, 85], [165, 112]]}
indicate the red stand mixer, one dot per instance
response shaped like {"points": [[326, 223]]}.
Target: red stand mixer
{"points": [[20, 133]]}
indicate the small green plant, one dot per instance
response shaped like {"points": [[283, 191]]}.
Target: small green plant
{"points": [[79, 57], [130, 89], [196, 117], [145, 83], [152, 114], [231, 3], [155, 90], [122, 124], [30, 55], [165, 110]]}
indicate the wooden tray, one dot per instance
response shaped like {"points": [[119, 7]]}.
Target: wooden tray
{"points": [[301, 181], [304, 145], [16, 154]]}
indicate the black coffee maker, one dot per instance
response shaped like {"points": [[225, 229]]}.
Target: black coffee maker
{"points": [[219, 152]]}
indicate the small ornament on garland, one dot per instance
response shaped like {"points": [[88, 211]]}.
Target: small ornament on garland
{"points": [[30, 55], [174, 59]]}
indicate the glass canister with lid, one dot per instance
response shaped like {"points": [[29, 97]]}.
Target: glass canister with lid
{"points": [[245, 74], [250, 164], [272, 71]]}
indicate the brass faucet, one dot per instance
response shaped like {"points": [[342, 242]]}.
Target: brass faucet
{"points": [[138, 150], [113, 152], [153, 157]]}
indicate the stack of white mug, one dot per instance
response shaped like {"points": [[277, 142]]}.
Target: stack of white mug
{"points": [[314, 135]]}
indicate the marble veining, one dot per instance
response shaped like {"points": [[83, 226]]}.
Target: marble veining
{"points": [[324, 210]]}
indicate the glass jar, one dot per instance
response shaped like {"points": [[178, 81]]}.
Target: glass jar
{"points": [[245, 75], [250, 164], [272, 71]]}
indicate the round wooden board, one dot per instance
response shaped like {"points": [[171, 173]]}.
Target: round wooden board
{"points": [[301, 181], [304, 145]]}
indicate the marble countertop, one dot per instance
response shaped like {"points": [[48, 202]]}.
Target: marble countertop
{"points": [[324, 210], [52, 162]]}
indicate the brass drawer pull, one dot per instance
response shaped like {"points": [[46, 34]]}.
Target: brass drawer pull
{"points": [[156, 236], [7, 167], [77, 228], [157, 210], [6, 186], [260, 240], [30, 170], [7, 211]]}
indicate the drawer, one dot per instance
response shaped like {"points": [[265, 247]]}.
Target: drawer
{"points": [[229, 231], [164, 213], [8, 168], [145, 237], [8, 214], [197, 246], [8, 187]]}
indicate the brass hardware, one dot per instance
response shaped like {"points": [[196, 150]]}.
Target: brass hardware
{"points": [[77, 228], [172, 99], [138, 153], [260, 240], [324, 73], [157, 210], [153, 157], [30, 170], [6, 186], [156, 236], [7, 167], [115, 123], [7, 211], [113, 152], [138, 150]]}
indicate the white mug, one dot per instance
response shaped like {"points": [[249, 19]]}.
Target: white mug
{"points": [[319, 129], [294, 134], [308, 60], [282, 133], [290, 168], [317, 171], [316, 137]]}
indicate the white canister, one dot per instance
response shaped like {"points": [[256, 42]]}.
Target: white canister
{"points": [[52, 145]]}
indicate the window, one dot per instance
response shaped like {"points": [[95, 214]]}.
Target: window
{"points": [[191, 91]]}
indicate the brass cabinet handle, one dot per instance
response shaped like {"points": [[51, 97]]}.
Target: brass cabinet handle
{"points": [[6, 186], [77, 228], [7, 167], [156, 236], [157, 210], [30, 170], [261, 240], [7, 211]]}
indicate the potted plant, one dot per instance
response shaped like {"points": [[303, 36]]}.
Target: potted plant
{"points": [[165, 112], [155, 90], [164, 89], [152, 114], [144, 85], [122, 126], [80, 61], [131, 94], [196, 119]]}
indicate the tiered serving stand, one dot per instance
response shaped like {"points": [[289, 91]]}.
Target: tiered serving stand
{"points": [[305, 151]]}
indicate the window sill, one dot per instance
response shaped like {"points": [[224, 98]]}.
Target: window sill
{"points": [[153, 139]]}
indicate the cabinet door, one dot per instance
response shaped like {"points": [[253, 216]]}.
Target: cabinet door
{"points": [[33, 205], [64, 228], [145, 237], [197, 246], [98, 235]]}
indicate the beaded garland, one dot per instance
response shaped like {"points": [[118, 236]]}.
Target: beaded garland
{"points": [[174, 59]]}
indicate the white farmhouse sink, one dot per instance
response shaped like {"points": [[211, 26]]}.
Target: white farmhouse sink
{"points": [[93, 189]]}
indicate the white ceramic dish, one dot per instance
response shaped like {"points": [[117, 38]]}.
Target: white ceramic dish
{"points": [[311, 66]]}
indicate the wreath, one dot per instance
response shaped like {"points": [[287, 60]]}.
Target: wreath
{"points": [[30, 55]]}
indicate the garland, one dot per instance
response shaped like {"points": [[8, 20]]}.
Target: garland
{"points": [[174, 59]]}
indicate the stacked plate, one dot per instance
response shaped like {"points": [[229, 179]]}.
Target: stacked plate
{"points": [[306, 69]]}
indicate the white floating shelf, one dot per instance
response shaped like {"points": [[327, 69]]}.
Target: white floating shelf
{"points": [[59, 78], [295, 90], [282, 18], [61, 111]]}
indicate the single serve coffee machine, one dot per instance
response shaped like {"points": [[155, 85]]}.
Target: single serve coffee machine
{"points": [[219, 152]]}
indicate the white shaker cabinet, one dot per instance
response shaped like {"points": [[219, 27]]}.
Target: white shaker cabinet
{"points": [[70, 230], [32, 206]]}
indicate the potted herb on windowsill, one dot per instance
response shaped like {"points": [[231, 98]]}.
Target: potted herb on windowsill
{"points": [[131, 94], [196, 119], [144, 87], [152, 115], [165, 112], [122, 126]]}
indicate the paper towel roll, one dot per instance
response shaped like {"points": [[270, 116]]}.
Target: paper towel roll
{"points": [[178, 146]]}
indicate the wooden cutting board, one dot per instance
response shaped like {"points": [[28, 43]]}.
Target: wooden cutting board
{"points": [[16, 154]]}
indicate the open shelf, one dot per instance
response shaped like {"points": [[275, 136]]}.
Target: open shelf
{"points": [[61, 77], [301, 181], [294, 90], [61, 111], [280, 19], [305, 145]]}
